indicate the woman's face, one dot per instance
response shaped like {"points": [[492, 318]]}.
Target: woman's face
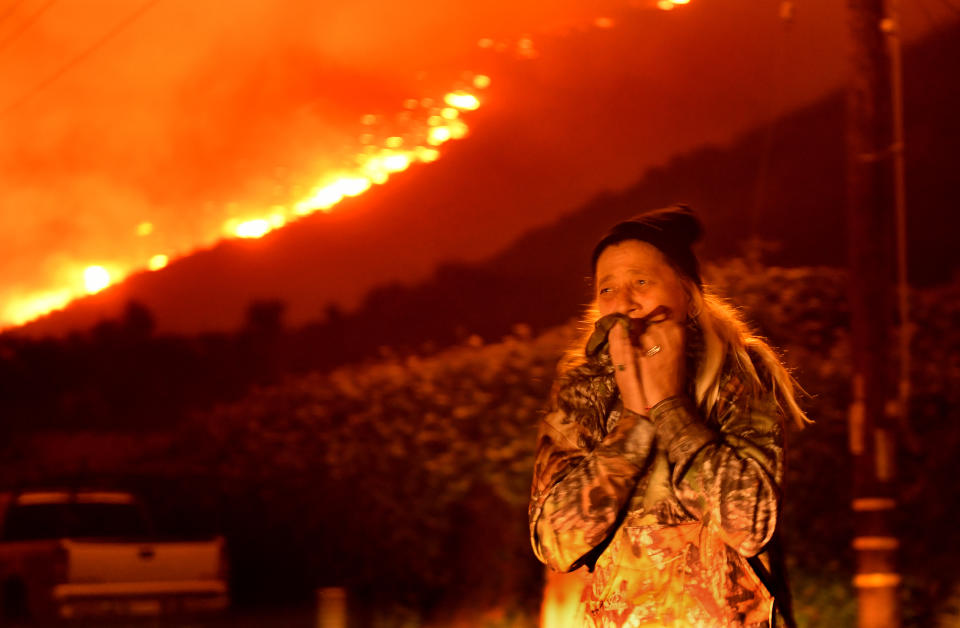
{"points": [[634, 278]]}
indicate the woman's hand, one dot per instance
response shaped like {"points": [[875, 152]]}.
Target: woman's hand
{"points": [[625, 359], [651, 367], [662, 371]]}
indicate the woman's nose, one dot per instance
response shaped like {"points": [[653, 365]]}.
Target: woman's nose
{"points": [[627, 303]]}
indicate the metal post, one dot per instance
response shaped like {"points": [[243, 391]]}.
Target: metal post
{"points": [[872, 242]]}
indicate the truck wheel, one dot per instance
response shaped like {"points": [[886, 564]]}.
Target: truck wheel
{"points": [[14, 600]]}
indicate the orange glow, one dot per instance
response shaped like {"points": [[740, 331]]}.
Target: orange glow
{"points": [[157, 262], [438, 135], [95, 279], [669, 5], [525, 48], [323, 198], [353, 186], [326, 196], [387, 144], [603, 22], [426, 155], [252, 228], [486, 42], [462, 100], [396, 163], [560, 606], [20, 312], [458, 130]]}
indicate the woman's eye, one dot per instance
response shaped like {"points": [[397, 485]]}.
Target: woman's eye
{"points": [[606, 290], [641, 282]]}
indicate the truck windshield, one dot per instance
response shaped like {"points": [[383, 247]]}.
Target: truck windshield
{"points": [[92, 520], [106, 520]]}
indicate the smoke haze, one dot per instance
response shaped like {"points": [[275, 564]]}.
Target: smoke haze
{"points": [[197, 112]]}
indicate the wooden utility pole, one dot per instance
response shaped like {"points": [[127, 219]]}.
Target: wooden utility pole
{"points": [[873, 148]]}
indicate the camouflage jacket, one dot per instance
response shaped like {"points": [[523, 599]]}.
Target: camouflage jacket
{"points": [[663, 510]]}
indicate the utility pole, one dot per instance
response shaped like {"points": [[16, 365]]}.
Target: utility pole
{"points": [[873, 195]]}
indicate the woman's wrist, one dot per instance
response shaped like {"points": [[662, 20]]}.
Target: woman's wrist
{"points": [[665, 401], [655, 397]]}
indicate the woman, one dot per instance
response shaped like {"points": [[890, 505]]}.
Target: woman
{"points": [[659, 464]]}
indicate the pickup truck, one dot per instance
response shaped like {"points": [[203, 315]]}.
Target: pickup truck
{"points": [[68, 554]]}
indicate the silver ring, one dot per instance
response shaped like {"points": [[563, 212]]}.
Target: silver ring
{"points": [[652, 351]]}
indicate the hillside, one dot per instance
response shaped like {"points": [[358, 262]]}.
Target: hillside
{"points": [[795, 211], [782, 183]]}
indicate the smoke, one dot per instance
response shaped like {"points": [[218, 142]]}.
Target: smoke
{"points": [[201, 111], [198, 111]]}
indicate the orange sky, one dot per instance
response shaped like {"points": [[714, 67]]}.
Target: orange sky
{"points": [[197, 112]]}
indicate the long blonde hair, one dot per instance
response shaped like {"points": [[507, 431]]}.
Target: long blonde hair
{"points": [[725, 334]]}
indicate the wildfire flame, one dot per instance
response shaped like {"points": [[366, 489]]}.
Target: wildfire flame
{"points": [[95, 279], [669, 5], [374, 166]]}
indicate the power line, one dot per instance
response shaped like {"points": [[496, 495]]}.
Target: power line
{"points": [[10, 9], [30, 21], [80, 57]]}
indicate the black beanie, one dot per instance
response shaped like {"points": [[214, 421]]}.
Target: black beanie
{"points": [[673, 230]]}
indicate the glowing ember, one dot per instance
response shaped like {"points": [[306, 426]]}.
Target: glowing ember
{"points": [[354, 186], [669, 5], [95, 279], [481, 81], [458, 130], [144, 228], [252, 228], [438, 135], [462, 100], [20, 312], [426, 155], [157, 262], [525, 48], [396, 163], [603, 22]]}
